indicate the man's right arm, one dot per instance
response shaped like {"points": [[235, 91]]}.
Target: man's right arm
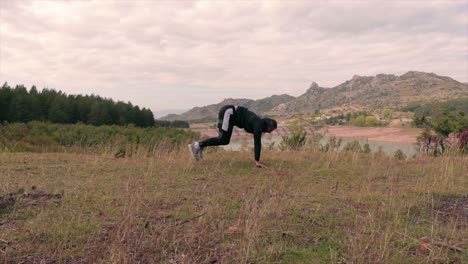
{"points": [[257, 146]]}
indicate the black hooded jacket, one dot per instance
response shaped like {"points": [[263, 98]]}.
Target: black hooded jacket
{"points": [[253, 124]]}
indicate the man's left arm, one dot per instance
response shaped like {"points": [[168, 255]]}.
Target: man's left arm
{"points": [[257, 146]]}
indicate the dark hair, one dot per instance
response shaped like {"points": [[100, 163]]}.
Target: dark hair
{"points": [[271, 123]]}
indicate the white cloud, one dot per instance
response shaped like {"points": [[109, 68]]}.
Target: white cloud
{"points": [[179, 54]]}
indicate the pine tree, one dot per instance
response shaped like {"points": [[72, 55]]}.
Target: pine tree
{"points": [[58, 110], [6, 95], [19, 108]]}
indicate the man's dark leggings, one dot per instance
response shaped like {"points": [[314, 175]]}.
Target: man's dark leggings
{"points": [[226, 119]]}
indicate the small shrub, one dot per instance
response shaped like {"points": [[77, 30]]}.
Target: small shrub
{"points": [[297, 139], [372, 121], [387, 114], [358, 121], [366, 148], [399, 155], [333, 144], [314, 140], [353, 146], [366, 121]]}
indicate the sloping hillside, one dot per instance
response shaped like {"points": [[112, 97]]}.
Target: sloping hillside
{"points": [[210, 112], [362, 92], [379, 91]]}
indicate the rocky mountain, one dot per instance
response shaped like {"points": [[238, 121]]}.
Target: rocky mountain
{"points": [[210, 112], [379, 91], [361, 92]]}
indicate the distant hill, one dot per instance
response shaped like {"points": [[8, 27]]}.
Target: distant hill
{"points": [[379, 91], [161, 113], [361, 92], [210, 112]]}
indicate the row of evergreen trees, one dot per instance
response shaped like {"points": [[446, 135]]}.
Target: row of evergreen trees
{"points": [[20, 105]]}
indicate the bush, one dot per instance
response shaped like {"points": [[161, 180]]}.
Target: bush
{"points": [[372, 121], [420, 121], [353, 146], [366, 148], [333, 144], [314, 140], [446, 123], [442, 124], [358, 121], [297, 139], [399, 155], [387, 114], [366, 121]]}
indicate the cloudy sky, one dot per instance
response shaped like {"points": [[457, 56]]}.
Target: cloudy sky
{"points": [[180, 54]]}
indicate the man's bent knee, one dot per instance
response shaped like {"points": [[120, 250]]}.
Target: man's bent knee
{"points": [[225, 141]]}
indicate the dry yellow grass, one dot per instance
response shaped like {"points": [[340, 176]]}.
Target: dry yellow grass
{"points": [[307, 207]]}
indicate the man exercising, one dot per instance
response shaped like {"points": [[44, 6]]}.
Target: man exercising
{"points": [[233, 115]]}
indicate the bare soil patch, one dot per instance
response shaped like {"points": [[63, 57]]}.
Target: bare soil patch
{"points": [[33, 198], [6, 203], [452, 207], [387, 134]]}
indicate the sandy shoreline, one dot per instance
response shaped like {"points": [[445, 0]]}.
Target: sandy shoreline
{"points": [[387, 134]]}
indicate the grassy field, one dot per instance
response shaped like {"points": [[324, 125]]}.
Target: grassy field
{"points": [[307, 207]]}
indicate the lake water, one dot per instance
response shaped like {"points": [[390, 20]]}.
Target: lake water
{"points": [[409, 149]]}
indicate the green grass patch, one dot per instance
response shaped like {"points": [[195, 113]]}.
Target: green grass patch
{"points": [[306, 207]]}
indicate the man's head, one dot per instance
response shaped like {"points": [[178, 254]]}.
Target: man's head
{"points": [[270, 125]]}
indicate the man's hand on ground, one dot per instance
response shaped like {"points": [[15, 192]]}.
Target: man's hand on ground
{"points": [[259, 165]]}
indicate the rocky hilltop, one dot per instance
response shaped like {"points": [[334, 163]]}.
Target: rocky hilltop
{"points": [[360, 92]]}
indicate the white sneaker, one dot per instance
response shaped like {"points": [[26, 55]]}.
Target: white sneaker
{"points": [[195, 150]]}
